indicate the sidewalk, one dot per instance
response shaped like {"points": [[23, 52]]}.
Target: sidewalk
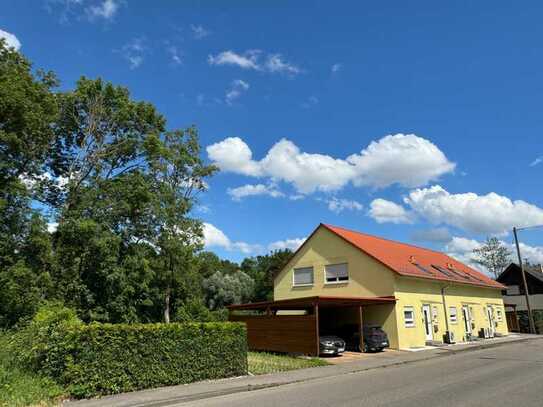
{"points": [[184, 393]]}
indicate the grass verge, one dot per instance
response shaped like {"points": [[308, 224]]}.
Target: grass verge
{"points": [[21, 388], [262, 362]]}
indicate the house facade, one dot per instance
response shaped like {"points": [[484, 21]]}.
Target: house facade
{"points": [[436, 297]]}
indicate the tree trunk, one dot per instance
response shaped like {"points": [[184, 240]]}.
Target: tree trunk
{"points": [[167, 306]]}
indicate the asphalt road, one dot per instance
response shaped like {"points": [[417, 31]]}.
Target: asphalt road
{"points": [[508, 375]]}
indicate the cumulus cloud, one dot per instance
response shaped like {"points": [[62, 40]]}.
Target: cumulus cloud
{"points": [[175, 54], [232, 154], [338, 205], [52, 227], [537, 161], [383, 211], [292, 244], [403, 159], [336, 67], [407, 160], [11, 40], [441, 235], [105, 9], [483, 214], [237, 87], [244, 191], [214, 237], [251, 60]]}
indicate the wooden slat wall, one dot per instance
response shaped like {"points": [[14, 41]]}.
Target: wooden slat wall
{"points": [[281, 333]]}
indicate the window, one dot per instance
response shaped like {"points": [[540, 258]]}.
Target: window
{"points": [[499, 314], [409, 316], [336, 273], [453, 316], [303, 276]]}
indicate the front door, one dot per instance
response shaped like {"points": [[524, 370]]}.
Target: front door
{"points": [[466, 319], [490, 315], [427, 322]]}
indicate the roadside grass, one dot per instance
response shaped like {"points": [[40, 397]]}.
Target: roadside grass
{"points": [[21, 388], [263, 363]]}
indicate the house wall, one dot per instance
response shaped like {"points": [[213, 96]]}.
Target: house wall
{"points": [[417, 292], [370, 278], [367, 277], [536, 301]]}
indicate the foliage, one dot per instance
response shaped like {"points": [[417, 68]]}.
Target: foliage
{"points": [[20, 387], [222, 289], [262, 270], [111, 358], [264, 363], [493, 255]]}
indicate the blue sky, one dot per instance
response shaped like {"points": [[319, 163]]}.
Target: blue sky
{"points": [[417, 122]]}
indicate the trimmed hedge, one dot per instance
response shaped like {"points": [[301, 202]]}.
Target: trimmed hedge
{"points": [[101, 359]]}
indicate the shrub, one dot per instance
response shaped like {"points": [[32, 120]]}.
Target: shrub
{"points": [[104, 358]]}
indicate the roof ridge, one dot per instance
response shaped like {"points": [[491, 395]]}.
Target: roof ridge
{"points": [[388, 240]]}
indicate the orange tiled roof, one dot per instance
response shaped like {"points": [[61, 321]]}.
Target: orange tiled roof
{"points": [[409, 260]]}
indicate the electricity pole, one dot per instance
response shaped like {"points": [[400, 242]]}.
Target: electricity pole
{"points": [[526, 293]]}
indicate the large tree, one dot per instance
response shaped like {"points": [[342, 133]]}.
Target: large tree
{"points": [[493, 255]]}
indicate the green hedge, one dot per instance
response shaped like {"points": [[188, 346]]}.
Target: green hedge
{"points": [[111, 358]]}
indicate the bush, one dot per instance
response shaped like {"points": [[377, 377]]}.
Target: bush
{"points": [[104, 358]]}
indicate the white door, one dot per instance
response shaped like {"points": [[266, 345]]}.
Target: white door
{"points": [[490, 316], [426, 313], [466, 318]]}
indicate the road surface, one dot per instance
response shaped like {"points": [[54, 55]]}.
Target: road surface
{"points": [[508, 375]]}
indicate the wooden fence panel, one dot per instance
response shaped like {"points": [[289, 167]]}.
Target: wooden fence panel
{"points": [[281, 333]]}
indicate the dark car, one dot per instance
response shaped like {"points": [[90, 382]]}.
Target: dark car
{"points": [[331, 345], [375, 339]]}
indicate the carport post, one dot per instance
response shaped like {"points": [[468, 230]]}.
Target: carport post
{"points": [[316, 312], [360, 320]]}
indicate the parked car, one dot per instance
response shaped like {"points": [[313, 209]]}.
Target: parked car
{"points": [[331, 345], [375, 339]]}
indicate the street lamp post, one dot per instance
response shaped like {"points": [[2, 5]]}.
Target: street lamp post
{"points": [[526, 293]]}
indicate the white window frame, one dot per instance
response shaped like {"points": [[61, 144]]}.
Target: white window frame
{"points": [[337, 281], [499, 314], [303, 284], [455, 319], [409, 322]]}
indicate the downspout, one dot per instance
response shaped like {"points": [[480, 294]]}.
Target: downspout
{"points": [[445, 307]]}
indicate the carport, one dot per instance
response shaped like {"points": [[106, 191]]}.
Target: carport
{"points": [[294, 325]]}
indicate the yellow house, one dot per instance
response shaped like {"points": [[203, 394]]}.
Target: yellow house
{"points": [[437, 297]]}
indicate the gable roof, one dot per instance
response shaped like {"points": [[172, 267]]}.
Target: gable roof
{"points": [[514, 270], [413, 261]]}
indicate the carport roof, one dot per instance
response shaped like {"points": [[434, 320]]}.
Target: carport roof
{"points": [[305, 302]]}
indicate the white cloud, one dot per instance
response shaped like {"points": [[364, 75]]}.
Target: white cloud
{"points": [[484, 214], [310, 102], [134, 52], [537, 161], [339, 205], [407, 160], [404, 159], [461, 248], [232, 154], [214, 237], [237, 87], [11, 40], [384, 211], [244, 191], [175, 54], [292, 244], [199, 32], [52, 227], [106, 10], [441, 235], [250, 59], [336, 68]]}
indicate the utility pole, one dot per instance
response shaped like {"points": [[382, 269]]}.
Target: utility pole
{"points": [[526, 293]]}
